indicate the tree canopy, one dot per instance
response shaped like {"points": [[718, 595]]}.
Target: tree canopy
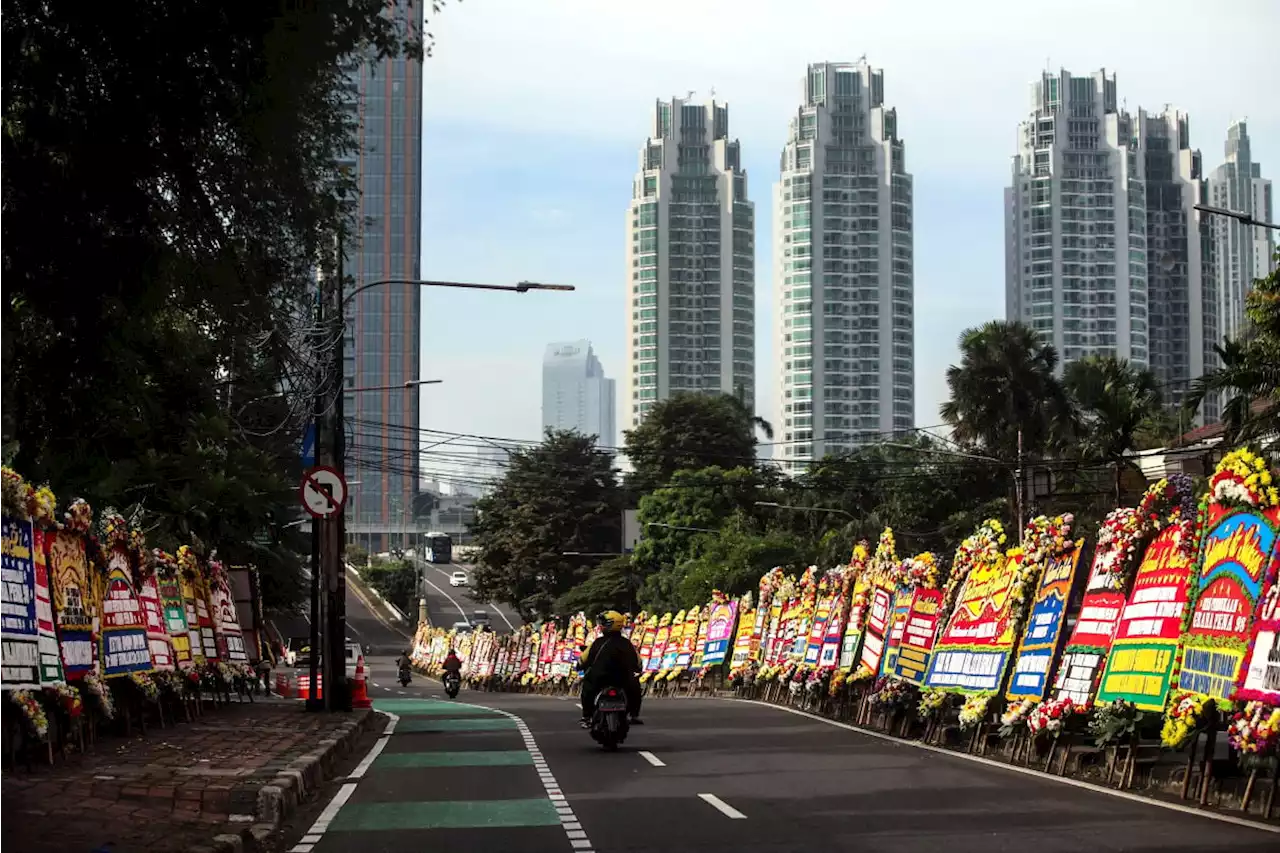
{"points": [[171, 184], [688, 432]]}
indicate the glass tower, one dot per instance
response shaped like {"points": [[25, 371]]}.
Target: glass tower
{"points": [[381, 345]]}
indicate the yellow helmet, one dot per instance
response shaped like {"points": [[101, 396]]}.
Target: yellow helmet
{"points": [[612, 620]]}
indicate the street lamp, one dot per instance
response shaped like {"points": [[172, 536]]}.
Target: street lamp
{"points": [[518, 287], [403, 386], [777, 505], [1244, 218], [678, 527]]}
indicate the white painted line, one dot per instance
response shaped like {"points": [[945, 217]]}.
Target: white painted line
{"points": [[302, 848], [331, 811], [1026, 771], [722, 807], [461, 612], [368, 760], [311, 839], [490, 604], [335, 805], [653, 759]]}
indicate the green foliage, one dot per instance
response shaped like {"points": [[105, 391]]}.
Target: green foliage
{"points": [[1004, 385], [171, 177], [689, 432], [732, 562], [612, 585], [396, 581], [538, 533], [1113, 401]]}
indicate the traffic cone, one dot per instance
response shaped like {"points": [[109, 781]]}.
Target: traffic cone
{"points": [[360, 695]]}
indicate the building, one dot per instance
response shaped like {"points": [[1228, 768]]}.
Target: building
{"points": [[1075, 222], [690, 260], [843, 270], [575, 393], [380, 348], [1244, 252], [1181, 276]]}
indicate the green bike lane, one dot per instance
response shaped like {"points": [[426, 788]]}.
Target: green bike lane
{"points": [[448, 776]]}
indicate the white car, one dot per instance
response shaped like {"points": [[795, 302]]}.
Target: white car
{"points": [[353, 654], [458, 579]]}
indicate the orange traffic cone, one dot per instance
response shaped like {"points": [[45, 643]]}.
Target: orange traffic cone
{"points": [[359, 694]]}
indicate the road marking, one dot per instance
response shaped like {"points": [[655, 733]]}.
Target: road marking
{"points": [[377, 748], [452, 601], [490, 604], [1026, 771], [722, 807], [652, 759]]}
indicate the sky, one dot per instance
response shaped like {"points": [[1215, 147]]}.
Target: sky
{"points": [[535, 113]]}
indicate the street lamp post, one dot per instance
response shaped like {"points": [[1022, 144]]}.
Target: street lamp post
{"points": [[332, 538], [833, 510], [1245, 218]]}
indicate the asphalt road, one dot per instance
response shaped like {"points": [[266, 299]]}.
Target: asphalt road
{"points": [[449, 604], [454, 777]]}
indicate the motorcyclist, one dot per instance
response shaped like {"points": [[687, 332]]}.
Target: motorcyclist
{"points": [[612, 661], [452, 663], [403, 663]]}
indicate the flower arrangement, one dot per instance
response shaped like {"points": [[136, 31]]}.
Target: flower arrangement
{"points": [[113, 530], [931, 701], [145, 685], [1254, 731], [1045, 537], [884, 563], [920, 571], [101, 693], [974, 710], [188, 562], [1183, 718], [79, 516], [1172, 500], [1243, 478], [891, 695], [32, 712], [68, 698], [838, 680], [1050, 716], [44, 507], [986, 545], [862, 673], [1114, 722], [1119, 536], [1015, 716], [15, 494]]}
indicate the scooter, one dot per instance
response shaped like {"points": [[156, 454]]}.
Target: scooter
{"points": [[405, 677], [609, 724], [452, 682]]}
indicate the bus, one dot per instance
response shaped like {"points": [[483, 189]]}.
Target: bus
{"points": [[439, 548]]}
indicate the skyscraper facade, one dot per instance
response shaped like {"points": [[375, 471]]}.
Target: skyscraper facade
{"points": [[1075, 222], [575, 393], [690, 262], [1244, 252], [381, 345], [844, 277]]}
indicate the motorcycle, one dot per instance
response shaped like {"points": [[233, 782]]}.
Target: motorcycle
{"points": [[405, 677], [609, 725], [452, 682]]}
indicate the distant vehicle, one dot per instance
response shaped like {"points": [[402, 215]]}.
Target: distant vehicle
{"points": [[298, 651], [353, 654], [438, 548], [481, 617], [458, 579], [462, 627]]}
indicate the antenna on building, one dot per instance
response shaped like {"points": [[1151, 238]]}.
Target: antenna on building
{"points": [[689, 95], [862, 60], [713, 92]]}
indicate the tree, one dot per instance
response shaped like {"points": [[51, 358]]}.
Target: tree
{"points": [[171, 178], [732, 562], [556, 507], [689, 431], [1005, 386], [1250, 371], [1113, 400], [612, 585]]}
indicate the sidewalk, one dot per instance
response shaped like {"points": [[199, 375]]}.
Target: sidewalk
{"points": [[178, 788]]}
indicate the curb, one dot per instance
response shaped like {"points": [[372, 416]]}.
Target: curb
{"points": [[280, 797]]}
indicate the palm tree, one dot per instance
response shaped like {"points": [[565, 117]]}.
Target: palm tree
{"points": [[1004, 386], [739, 396], [1113, 401]]}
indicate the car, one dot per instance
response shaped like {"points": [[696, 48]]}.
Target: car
{"points": [[458, 579], [462, 627], [481, 617], [354, 653]]}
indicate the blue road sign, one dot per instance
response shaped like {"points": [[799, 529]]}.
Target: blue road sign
{"points": [[309, 446]]}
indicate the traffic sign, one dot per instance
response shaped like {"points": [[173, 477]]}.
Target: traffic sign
{"points": [[309, 446], [323, 491]]}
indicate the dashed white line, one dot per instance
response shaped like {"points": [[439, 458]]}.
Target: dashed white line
{"points": [[722, 807], [653, 759]]}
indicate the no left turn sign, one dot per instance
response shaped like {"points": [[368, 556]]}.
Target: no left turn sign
{"points": [[323, 491]]}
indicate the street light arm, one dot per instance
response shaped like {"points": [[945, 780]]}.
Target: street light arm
{"points": [[519, 287], [1245, 218], [776, 505]]}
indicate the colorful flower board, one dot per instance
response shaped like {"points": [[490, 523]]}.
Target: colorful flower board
{"points": [[897, 623], [75, 601], [1147, 641], [47, 641], [1238, 547], [158, 643], [1260, 679], [879, 612], [855, 625], [818, 630], [124, 626], [973, 652], [19, 629], [1086, 650], [1042, 634], [746, 644], [720, 623], [832, 635], [918, 633]]}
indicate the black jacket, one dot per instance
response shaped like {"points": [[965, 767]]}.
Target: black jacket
{"points": [[612, 659]]}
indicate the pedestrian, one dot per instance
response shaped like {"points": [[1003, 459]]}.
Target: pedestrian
{"points": [[264, 667]]}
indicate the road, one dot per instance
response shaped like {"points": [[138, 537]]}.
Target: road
{"points": [[709, 775], [446, 604]]}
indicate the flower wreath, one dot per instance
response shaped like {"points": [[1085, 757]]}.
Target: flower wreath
{"points": [[974, 710], [1119, 536], [1184, 718], [1254, 731], [985, 545], [1243, 478], [32, 712], [931, 700], [1049, 717], [1172, 500]]}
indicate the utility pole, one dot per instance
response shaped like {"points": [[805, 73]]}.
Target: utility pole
{"points": [[317, 412], [1022, 524], [336, 696]]}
